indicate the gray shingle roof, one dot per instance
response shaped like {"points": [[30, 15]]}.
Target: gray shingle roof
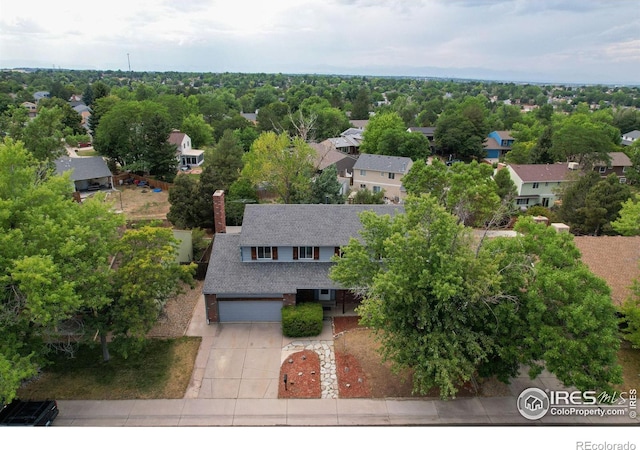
{"points": [[83, 168], [316, 225], [383, 163], [228, 275]]}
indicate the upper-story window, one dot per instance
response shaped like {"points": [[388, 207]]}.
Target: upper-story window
{"points": [[363, 173], [264, 253], [536, 185], [602, 169], [306, 252], [392, 176]]}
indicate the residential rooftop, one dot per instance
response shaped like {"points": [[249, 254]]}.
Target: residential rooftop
{"points": [[383, 163]]}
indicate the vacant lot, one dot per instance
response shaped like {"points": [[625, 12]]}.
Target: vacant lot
{"points": [[140, 203]]}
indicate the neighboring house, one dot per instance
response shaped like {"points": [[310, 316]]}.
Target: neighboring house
{"points": [[186, 155], [88, 174], [281, 256], [428, 132], [630, 137], [381, 172], [619, 163], [37, 96], [31, 107], [360, 124], [537, 184], [497, 144], [251, 117], [349, 144], [327, 156], [85, 113]]}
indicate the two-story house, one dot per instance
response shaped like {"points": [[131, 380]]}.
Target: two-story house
{"points": [[281, 256], [186, 155], [497, 144], [428, 132], [619, 164], [381, 172], [538, 184]]}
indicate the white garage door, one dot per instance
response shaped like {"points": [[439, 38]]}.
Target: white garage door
{"points": [[250, 311]]}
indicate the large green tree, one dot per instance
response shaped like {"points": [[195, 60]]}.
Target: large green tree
{"points": [[451, 312], [54, 261], [147, 275], [591, 203], [280, 164], [466, 190]]}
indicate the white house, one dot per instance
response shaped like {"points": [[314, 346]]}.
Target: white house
{"points": [[538, 184], [186, 155]]}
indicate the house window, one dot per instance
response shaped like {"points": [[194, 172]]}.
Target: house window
{"points": [[392, 176], [602, 169], [324, 291], [623, 180], [624, 169], [264, 253], [363, 173], [305, 252], [363, 186], [536, 185], [376, 189], [522, 201]]}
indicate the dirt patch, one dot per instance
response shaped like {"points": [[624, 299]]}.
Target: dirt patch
{"points": [[177, 313], [138, 203]]}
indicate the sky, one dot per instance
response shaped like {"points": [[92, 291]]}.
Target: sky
{"points": [[555, 41]]}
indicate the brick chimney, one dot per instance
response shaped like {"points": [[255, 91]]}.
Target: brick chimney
{"points": [[219, 219]]}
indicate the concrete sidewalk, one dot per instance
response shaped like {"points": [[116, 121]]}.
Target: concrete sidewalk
{"points": [[316, 412]]}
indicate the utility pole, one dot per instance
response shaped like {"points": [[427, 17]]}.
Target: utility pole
{"points": [[129, 63]]}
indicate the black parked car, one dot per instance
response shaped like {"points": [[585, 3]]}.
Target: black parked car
{"points": [[29, 413]]}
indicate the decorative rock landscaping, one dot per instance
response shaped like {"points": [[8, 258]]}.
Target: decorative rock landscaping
{"points": [[324, 350]]}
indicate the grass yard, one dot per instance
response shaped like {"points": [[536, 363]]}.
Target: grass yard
{"points": [[87, 153], [161, 371]]}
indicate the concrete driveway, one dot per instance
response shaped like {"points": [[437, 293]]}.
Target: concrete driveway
{"points": [[238, 360]]}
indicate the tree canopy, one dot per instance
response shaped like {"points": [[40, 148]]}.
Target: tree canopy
{"points": [[452, 312], [54, 260], [280, 164]]}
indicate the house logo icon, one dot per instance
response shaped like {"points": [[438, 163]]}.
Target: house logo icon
{"points": [[533, 403]]}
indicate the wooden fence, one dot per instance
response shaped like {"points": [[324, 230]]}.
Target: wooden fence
{"points": [[122, 178]]}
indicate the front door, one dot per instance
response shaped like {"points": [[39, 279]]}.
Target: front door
{"points": [[324, 295]]}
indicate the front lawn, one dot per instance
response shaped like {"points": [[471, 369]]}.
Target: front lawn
{"points": [[161, 371]]}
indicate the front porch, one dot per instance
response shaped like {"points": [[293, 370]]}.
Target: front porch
{"points": [[335, 302]]}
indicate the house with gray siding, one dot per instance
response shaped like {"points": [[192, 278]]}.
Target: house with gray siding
{"points": [[281, 256]]}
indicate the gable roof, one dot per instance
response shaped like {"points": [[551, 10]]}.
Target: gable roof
{"points": [[615, 259], [326, 155], [427, 131], [529, 173], [618, 159], [176, 137], [504, 135], [383, 163], [228, 275], [304, 224], [83, 168], [491, 143]]}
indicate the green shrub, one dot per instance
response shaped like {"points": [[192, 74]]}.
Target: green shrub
{"points": [[303, 320]]}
